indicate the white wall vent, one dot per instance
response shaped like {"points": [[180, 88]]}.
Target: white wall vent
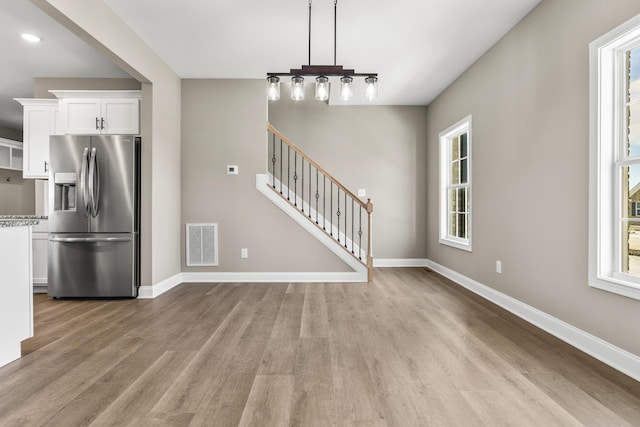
{"points": [[202, 244]]}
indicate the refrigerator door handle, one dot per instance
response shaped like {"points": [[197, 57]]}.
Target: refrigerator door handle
{"points": [[83, 181], [89, 239], [94, 182]]}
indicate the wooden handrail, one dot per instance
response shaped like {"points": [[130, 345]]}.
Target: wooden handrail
{"points": [[315, 165]]}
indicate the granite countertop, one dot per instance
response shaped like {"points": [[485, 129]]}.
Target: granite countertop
{"points": [[20, 220]]}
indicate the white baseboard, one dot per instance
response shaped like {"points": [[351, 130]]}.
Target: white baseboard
{"points": [[148, 292], [400, 262], [620, 359], [269, 277]]}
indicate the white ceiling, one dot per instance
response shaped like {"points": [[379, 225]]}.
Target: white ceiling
{"points": [[417, 47], [60, 54]]}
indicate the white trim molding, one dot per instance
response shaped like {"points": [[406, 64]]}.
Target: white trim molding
{"points": [[447, 183], [607, 136], [400, 262], [271, 277], [152, 291], [620, 359]]}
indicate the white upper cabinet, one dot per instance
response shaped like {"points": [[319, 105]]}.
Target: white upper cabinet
{"points": [[113, 112], [41, 120]]}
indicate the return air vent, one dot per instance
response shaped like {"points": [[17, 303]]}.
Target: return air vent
{"points": [[202, 244]]}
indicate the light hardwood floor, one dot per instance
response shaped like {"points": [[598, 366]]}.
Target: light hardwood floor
{"points": [[409, 349]]}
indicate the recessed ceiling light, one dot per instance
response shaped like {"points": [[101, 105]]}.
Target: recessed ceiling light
{"points": [[30, 37]]}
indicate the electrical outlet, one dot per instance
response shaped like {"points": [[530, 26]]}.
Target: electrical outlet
{"points": [[362, 192], [499, 267], [244, 253], [232, 169]]}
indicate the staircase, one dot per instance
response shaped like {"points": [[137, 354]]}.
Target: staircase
{"points": [[319, 203]]}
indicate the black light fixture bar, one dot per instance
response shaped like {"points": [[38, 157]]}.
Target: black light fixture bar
{"points": [[322, 70]]}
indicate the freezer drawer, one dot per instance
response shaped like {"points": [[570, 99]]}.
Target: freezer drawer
{"points": [[91, 265]]}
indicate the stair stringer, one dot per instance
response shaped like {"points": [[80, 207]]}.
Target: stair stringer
{"points": [[360, 270], [343, 239]]}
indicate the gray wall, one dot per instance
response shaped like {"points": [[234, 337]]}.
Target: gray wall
{"points": [[379, 149], [529, 99], [17, 195], [223, 123], [9, 133]]}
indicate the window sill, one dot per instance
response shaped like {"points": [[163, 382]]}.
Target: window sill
{"points": [[458, 244], [616, 286]]}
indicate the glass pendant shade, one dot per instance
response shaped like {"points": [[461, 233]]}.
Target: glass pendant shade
{"points": [[346, 88], [297, 88], [273, 88], [322, 88], [371, 91]]}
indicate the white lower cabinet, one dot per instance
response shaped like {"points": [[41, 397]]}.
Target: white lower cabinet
{"points": [[40, 238], [16, 295]]}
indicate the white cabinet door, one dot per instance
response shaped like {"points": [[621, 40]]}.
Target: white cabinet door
{"points": [[81, 116], [36, 141], [121, 116], [93, 116], [40, 120]]}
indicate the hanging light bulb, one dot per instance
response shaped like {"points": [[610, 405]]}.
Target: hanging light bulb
{"points": [[297, 88], [322, 88], [371, 91], [346, 88], [273, 88]]}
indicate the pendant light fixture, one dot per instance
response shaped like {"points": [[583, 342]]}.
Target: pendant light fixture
{"points": [[371, 91], [322, 73], [322, 88], [297, 88], [273, 88], [346, 88]]}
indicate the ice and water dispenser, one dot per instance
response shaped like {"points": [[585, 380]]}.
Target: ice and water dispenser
{"points": [[64, 198]]}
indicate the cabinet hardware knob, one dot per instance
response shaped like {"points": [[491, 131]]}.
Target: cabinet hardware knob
{"points": [[46, 166], [97, 125], [102, 123]]}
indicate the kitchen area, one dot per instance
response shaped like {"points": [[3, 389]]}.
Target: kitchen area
{"points": [[57, 85], [70, 199]]}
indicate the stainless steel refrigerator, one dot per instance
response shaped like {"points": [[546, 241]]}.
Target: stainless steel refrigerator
{"points": [[94, 216]]}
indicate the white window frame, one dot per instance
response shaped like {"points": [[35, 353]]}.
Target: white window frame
{"points": [[607, 124], [459, 128]]}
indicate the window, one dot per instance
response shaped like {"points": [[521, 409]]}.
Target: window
{"points": [[614, 196], [455, 185]]}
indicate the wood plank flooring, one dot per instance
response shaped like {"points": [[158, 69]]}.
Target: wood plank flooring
{"points": [[409, 349]]}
